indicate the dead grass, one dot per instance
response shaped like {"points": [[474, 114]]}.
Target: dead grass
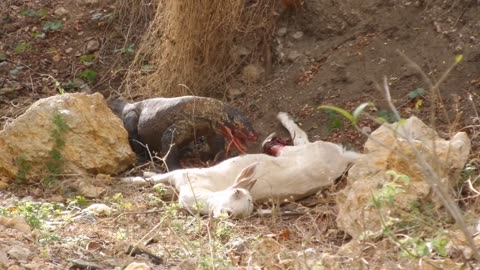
{"points": [[188, 47]]}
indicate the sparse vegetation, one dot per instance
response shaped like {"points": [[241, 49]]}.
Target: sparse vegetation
{"points": [[89, 75], [317, 53], [52, 26], [56, 161], [23, 47]]}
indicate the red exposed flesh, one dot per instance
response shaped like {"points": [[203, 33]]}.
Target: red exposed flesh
{"points": [[233, 140]]}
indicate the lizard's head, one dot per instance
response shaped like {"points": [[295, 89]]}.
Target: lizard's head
{"points": [[236, 127]]}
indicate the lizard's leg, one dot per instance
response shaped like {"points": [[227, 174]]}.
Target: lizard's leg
{"points": [[175, 137], [130, 121], [216, 143]]}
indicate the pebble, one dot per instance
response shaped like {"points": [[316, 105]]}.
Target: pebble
{"points": [[5, 67], [238, 246], [293, 55], [98, 209], [459, 49], [297, 35], [282, 31], [137, 266], [61, 11], [93, 45], [69, 50], [19, 253]]}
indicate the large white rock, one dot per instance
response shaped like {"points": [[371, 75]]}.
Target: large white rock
{"points": [[356, 212], [95, 142]]}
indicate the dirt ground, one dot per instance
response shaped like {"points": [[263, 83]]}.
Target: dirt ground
{"points": [[326, 52]]}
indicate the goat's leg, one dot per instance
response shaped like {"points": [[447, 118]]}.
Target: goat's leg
{"points": [[296, 133], [158, 178]]}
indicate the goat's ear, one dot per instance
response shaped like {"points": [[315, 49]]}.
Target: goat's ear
{"points": [[245, 179], [246, 183]]}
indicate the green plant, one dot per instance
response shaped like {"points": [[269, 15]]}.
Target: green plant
{"points": [[79, 201], [71, 85], [390, 189], [87, 58], [89, 75], [119, 202], [334, 121], [416, 93], [418, 247], [34, 213], [352, 117], [23, 168], [42, 13], [28, 13], [121, 234], [23, 47], [52, 26], [56, 161], [38, 35], [224, 228], [386, 117]]}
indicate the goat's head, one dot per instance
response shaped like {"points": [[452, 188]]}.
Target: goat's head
{"points": [[236, 201]]}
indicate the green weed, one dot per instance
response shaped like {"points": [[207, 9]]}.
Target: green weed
{"points": [[52, 26], [23, 168], [87, 58], [89, 75], [56, 160], [23, 47]]}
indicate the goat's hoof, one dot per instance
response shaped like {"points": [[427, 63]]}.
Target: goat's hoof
{"points": [[284, 117]]}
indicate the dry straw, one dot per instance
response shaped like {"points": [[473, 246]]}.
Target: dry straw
{"points": [[190, 42]]}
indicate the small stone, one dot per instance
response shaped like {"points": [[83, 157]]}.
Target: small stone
{"points": [[98, 209], [459, 49], [69, 50], [238, 246], [137, 266], [188, 264], [5, 67], [61, 11], [282, 31], [57, 58], [293, 55], [93, 45], [89, 190], [297, 35], [19, 253]]}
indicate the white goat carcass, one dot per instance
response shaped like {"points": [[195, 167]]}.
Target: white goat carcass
{"points": [[233, 185]]}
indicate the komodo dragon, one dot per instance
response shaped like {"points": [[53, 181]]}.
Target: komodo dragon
{"points": [[166, 125]]}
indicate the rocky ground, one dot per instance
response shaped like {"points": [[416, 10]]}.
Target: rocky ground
{"points": [[324, 53]]}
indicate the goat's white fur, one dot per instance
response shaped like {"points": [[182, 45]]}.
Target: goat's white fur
{"points": [[298, 171]]}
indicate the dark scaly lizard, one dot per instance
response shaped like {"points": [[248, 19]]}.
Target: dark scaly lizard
{"points": [[172, 123]]}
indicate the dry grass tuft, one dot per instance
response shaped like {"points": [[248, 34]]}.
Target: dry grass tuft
{"points": [[188, 47]]}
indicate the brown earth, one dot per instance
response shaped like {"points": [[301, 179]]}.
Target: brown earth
{"points": [[325, 52]]}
